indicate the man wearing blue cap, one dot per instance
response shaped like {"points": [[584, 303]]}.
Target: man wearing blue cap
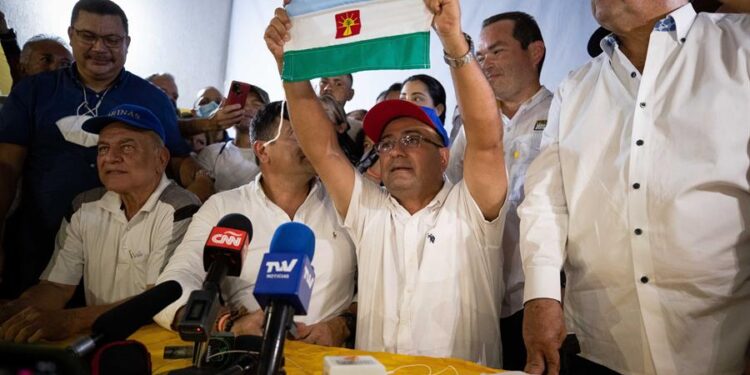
{"points": [[428, 251], [118, 238]]}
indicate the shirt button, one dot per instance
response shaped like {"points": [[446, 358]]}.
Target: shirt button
{"points": [[92, 165], [643, 104], [633, 74], [644, 279], [682, 40], [638, 231], [636, 186], [639, 142]]}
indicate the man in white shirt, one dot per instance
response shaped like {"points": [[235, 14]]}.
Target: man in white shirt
{"points": [[428, 250], [641, 191], [286, 190], [511, 53], [118, 238]]}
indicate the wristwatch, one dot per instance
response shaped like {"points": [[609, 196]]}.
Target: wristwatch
{"points": [[463, 60]]}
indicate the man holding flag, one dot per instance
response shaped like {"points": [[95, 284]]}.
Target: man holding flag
{"points": [[428, 251]]}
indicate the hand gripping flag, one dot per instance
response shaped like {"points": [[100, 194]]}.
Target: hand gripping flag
{"points": [[334, 37]]}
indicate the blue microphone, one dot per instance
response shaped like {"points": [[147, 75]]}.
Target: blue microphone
{"points": [[283, 288]]}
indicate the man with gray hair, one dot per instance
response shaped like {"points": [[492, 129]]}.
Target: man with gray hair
{"points": [[117, 238], [641, 193], [43, 53]]}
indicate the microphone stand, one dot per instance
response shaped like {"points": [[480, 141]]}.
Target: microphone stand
{"points": [[271, 352]]}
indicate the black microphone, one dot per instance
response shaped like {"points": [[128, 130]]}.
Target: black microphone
{"points": [[223, 255], [123, 320], [283, 288]]}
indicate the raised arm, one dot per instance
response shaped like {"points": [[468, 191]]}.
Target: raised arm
{"points": [[313, 129], [484, 165]]}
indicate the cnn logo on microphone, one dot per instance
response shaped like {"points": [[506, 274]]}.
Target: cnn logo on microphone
{"points": [[227, 238]]}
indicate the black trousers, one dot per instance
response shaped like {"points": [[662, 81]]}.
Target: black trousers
{"points": [[573, 364], [511, 334]]}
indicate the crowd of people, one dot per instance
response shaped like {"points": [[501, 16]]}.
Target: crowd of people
{"points": [[599, 229]]}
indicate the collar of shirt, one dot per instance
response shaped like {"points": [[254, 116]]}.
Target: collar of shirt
{"points": [[677, 23], [257, 189], [434, 204], [111, 201], [532, 102]]}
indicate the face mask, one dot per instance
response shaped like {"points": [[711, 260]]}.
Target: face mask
{"points": [[206, 110]]}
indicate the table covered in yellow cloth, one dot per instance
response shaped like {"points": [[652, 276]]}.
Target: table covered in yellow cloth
{"points": [[304, 358]]}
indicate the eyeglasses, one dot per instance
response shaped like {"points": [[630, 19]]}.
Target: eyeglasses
{"points": [[409, 141], [89, 38]]}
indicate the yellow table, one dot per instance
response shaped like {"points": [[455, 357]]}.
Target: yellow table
{"points": [[304, 358]]}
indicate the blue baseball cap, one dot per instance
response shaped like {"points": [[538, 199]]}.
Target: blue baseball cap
{"points": [[131, 114], [388, 110]]}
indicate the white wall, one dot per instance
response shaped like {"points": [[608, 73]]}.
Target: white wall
{"points": [[566, 26], [193, 40], [187, 38]]}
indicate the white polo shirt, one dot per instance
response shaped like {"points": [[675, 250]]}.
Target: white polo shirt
{"points": [[334, 260], [116, 257], [641, 191], [428, 282], [522, 136], [229, 165]]}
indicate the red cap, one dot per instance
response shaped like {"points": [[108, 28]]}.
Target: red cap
{"points": [[388, 110]]}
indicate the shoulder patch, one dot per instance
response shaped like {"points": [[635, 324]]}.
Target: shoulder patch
{"points": [[540, 125], [86, 197], [184, 203]]}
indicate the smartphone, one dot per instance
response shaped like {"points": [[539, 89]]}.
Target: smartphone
{"points": [[238, 92]]}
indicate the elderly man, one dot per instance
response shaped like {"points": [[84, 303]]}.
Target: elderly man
{"points": [[285, 190], [428, 250], [118, 238], [641, 192], [511, 54], [41, 137], [166, 82], [43, 53]]}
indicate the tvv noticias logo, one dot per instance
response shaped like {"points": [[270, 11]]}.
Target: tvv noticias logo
{"points": [[282, 266]]}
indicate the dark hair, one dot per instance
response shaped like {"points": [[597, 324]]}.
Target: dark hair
{"points": [[100, 7], [394, 87], [525, 29], [266, 122], [434, 88]]}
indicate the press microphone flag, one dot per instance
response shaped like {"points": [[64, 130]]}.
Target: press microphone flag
{"points": [[223, 255], [286, 273]]}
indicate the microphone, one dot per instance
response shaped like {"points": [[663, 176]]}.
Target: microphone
{"points": [[223, 255], [283, 288], [123, 320]]}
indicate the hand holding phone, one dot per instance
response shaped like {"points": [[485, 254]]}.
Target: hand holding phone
{"points": [[238, 92]]}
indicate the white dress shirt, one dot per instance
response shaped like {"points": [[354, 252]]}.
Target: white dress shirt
{"points": [[334, 260], [522, 136], [118, 258], [428, 282], [642, 192], [230, 166]]}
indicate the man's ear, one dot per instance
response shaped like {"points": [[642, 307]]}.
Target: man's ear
{"points": [[537, 50], [260, 151], [444, 156]]}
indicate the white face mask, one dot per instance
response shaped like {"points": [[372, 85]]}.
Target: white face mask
{"points": [[206, 110], [70, 127]]}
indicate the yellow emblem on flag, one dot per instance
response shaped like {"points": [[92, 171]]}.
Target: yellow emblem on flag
{"points": [[348, 24]]}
